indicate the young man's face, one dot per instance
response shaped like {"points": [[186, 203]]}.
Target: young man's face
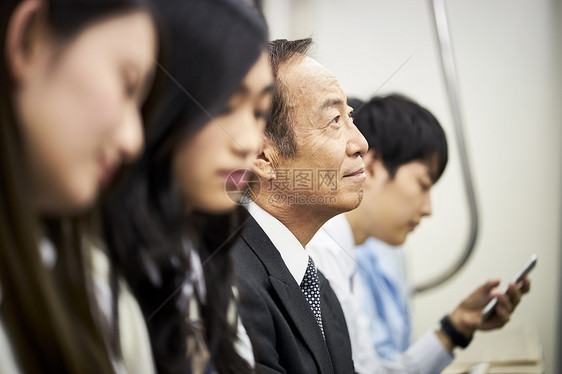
{"points": [[397, 205]]}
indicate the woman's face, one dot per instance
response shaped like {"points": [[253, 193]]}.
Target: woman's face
{"points": [[226, 146], [79, 107]]}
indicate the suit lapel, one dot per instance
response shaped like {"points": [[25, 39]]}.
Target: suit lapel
{"points": [[337, 335], [289, 293]]}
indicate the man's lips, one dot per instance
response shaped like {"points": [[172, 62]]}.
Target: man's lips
{"points": [[357, 173]]}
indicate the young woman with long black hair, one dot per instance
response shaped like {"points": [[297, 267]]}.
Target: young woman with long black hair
{"points": [[169, 220], [72, 78]]}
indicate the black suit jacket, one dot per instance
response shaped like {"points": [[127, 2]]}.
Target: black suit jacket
{"points": [[282, 328]]}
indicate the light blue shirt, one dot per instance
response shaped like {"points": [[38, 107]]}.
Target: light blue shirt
{"points": [[333, 251], [381, 271]]}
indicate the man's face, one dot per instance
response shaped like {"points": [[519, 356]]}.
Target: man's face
{"points": [[327, 172], [396, 205]]}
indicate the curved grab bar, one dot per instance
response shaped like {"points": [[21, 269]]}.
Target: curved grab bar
{"points": [[449, 75]]}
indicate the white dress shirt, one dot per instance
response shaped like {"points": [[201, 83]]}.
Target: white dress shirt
{"points": [[133, 333], [134, 339], [332, 250], [294, 255]]}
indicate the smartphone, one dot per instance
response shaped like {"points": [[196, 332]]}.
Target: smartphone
{"points": [[488, 310]]}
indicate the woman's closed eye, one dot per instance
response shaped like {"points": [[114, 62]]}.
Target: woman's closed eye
{"points": [[131, 81], [262, 114]]}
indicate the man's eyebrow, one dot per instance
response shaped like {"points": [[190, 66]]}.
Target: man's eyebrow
{"points": [[331, 103]]}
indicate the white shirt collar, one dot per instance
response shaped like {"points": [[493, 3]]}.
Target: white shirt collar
{"points": [[340, 230], [292, 252], [334, 241]]}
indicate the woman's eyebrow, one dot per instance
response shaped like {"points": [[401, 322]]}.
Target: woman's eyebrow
{"points": [[268, 89], [244, 90]]}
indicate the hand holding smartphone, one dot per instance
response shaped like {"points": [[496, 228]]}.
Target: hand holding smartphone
{"points": [[489, 309]]}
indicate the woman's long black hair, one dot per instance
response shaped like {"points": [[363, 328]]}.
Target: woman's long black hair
{"points": [[208, 47], [47, 313]]}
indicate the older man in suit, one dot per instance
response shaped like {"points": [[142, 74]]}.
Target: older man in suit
{"points": [[310, 169]]}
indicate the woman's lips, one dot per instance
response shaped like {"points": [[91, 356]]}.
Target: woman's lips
{"points": [[237, 178], [107, 172]]}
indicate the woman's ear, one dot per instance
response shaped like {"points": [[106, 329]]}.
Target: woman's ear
{"points": [[265, 161], [22, 36]]}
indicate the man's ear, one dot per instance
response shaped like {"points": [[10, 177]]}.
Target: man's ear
{"points": [[22, 35], [266, 159]]}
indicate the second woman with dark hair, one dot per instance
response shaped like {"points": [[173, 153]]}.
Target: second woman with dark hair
{"points": [[168, 222]]}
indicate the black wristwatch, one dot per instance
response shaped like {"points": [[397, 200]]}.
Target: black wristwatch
{"points": [[456, 337]]}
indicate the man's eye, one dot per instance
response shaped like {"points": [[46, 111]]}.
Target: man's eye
{"points": [[336, 120]]}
